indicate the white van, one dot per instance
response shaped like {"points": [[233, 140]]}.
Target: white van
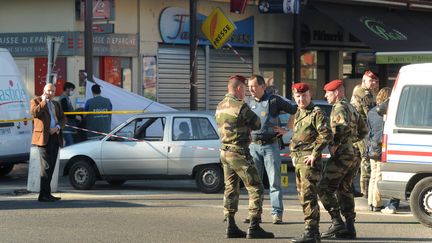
{"points": [[407, 141], [15, 132]]}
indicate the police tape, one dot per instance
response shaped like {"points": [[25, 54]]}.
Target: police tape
{"points": [[101, 133], [104, 112], [16, 120], [81, 113], [324, 156]]}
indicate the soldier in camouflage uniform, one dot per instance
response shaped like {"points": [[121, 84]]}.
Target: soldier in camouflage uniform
{"points": [[363, 100], [311, 134], [235, 121], [335, 187]]}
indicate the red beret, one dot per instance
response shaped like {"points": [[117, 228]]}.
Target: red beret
{"points": [[333, 85], [239, 78], [300, 87], [370, 74]]}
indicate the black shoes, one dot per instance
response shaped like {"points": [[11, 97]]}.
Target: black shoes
{"points": [[375, 209], [48, 198]]}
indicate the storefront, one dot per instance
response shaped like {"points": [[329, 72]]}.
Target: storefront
{"points": [[113, 55], [397, 36]]}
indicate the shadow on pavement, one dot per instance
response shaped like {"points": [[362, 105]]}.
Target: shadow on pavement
{"points": [[34, 204]]}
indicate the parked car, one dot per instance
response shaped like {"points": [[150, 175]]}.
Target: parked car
{"points": [[165, 145], [407, 142], [284, 118]]}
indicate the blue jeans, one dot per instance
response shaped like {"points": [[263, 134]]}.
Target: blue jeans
{"points": [[68, 138], [268, 157]]}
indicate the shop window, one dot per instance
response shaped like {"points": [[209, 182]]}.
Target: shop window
{"points": [[361, 63], [116, 71], [60, 68]]}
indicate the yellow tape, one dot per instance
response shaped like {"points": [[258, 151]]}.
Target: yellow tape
{"points": [[104, 112], [82, 113], [16, 120], [284, 180]]}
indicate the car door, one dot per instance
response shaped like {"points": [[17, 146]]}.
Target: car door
{"points": [[139, 149], [197, 144]]}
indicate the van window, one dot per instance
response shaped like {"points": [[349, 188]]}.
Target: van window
{"points": [[415, 107]]}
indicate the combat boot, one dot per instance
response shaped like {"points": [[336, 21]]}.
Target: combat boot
{"points": [[232, 230], [256, 232], [247, 220], [310, 235], [350, 232], [336, 226]]}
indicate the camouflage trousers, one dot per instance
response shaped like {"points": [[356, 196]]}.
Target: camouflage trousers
{"points": [[307, 178], [335, 187], [360, 153], [236, 167]]}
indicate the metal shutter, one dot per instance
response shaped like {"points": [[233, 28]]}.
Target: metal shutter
{"points": [[223, 64], [173, 86]]}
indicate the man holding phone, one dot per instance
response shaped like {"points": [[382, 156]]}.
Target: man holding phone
{"points": [[48, 122]]}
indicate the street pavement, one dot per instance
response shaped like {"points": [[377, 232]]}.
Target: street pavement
{"points": [[166, 211]]}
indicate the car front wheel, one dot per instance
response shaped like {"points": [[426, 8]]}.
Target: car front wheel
{"points": [[209, 179], [82, 175], [421, 201]]}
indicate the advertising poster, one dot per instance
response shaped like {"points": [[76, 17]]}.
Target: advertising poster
{"points": [[149, 77]]}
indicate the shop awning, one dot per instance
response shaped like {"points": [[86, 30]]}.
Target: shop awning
{"points": [[382, 29]]}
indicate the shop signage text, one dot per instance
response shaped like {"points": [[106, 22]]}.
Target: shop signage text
{"points": [[174, 28], [403, 58], [379, 28], [34, 44], [217, 28]]}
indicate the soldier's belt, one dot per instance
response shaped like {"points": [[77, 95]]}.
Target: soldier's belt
{"points": [[232, 149], [264, 142], [301, 153]]}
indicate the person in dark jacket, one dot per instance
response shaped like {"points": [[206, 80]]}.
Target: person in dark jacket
{"points": [[375, 124], [98, 122], [66, 104]]}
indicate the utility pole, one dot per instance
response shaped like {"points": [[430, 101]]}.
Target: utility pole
{"points": [[297, 45], [193, 54], [88, 39]]}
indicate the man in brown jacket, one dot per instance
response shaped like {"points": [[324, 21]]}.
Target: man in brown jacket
{"points": [[48, 122]]}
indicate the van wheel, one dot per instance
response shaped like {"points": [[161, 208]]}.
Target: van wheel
{"points": [[82, 175], [209, 179], [5, 169], [421, 201]]}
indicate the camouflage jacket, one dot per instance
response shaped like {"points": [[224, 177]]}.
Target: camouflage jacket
{"points": [[346, 124], [311, 131], [362, 99], [235, 121]]}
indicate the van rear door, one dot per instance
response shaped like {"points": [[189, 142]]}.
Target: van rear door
{"points": [[15, 129]]}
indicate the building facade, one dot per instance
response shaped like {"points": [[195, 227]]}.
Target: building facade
{"points": [[143, 47]]}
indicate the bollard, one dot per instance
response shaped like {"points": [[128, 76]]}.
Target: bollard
{"points": [[33, 180]]}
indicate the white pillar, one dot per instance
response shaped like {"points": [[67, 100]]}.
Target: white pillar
{"points": [[33, 180]]}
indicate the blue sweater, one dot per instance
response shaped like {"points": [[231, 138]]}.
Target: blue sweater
{"points": [[375, 124]]}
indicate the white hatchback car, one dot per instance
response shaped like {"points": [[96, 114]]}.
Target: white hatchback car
{"points": [[166, 145]]}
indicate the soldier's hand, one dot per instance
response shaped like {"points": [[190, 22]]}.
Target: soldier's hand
{"points": [[280, 131], [310, 160]]}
